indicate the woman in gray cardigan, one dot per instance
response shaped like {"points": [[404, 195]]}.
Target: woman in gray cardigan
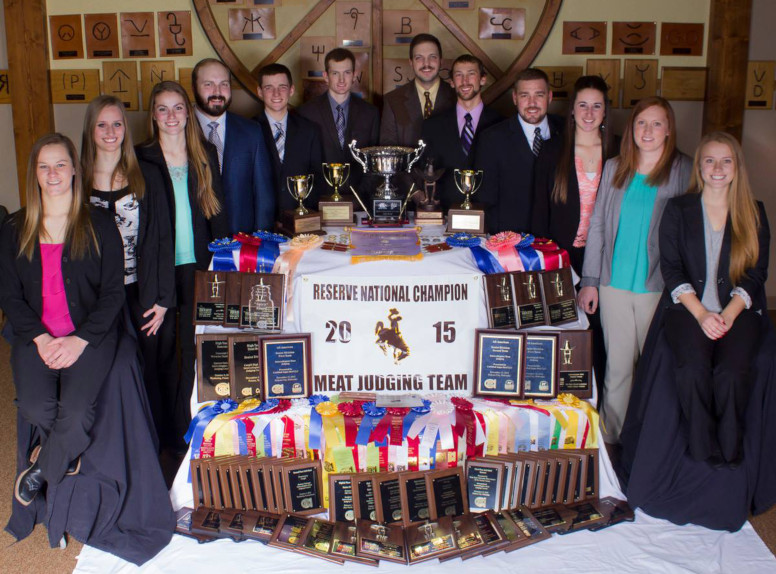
{"points": [[621, 268]]}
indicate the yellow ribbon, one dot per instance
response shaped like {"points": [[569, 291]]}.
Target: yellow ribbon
{"points": [[224, 443], [491, 444], [567, 399]]}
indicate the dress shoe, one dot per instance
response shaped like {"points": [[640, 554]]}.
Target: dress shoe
{"points": [[29, 484]]}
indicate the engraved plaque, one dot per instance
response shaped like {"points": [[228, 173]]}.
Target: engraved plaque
{"points": [[630, 38], [5, 89], [584, 37], [759, 85], [253, 24], [175, 33], [683, 84], [541, 365], [502, 23], [361, 75], [209, 293], [609, 70], [245, 369], [677, 39], [640, 81], [483, 484], [120, 79], [390, 499], [74, 86], [529, 308], [575, 363], [212, 367], [562, 80], [137, 34], [313, 50], [66, 37], [232, 299], [151, 73], [354, 24], [400, 26], [102, 35]]}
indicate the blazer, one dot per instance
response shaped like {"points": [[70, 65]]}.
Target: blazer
{"points": [[507, 162], [363, 126], [402, 116], [602, 234], [94, 285], [443, 144], [249, 196], [683, 252], [303, 155], [205, 230]]}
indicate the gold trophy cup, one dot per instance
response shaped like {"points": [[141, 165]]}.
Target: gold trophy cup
{"points": [[468, 182], [301, 219], [467, 217], [300, 186], [336, 210]]}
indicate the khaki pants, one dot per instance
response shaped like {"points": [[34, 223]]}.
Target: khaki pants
{"points": [[625, 317]]}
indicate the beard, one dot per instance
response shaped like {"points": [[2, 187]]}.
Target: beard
{"points": [[213, 106], [473, 94]]}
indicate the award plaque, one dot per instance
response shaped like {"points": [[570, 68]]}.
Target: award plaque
{"points": [[467, 535], [389, 498], [447, 492], [232, 524], [590, 513], [262, 297], [529, 526], [341, 498], [414, 498], [286, 369], [557, 495], [576, 475], [381, 541], [257, 490], [288, 533], [431, 540], [209, 297], [514, 535], [491, 533], [484, 479], [498, 364], [237, 477], [524, 488], [467, 217], [540, 378], [212, 367], [589, 471], [244, 371], [198, 483], [259, 525], [300, 220], [364, 499], [336, 209], [546, 479], [560, 300], [616, 511], [576, 363], [273, 496], [218, 489], [232, 299], [231, 497], [557, 518], [513, 466], [303, 487], [206, 522], [317, 539], [183, 518], [527, 289], [344, 543], [500, 300]]}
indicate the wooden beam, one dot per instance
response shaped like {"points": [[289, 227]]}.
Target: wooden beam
{"points": [[32, 110], [377, 53], [728, 53]]}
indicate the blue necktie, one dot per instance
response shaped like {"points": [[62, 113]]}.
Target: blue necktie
{"points": [[467, 134], [341, 126]]}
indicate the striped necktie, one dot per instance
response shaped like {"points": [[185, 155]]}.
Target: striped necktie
{"points": [[280, 140], [215, 139], [467, 134], [428, 107], [538, 141], [340, 123]]}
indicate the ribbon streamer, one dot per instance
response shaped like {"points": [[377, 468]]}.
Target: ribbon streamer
{"points": [[223, 254], [269, 250], [483, 258], [249, 249]]}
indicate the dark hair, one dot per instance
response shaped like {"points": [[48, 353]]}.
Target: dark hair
{"points": [[531, 74], [468, 59], [566, 159], [203, 63], [274, 70], [339, 55], [425, 39]]}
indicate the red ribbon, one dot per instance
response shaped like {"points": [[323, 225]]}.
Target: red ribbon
{"points": [[396, 421], [465, 421], [208, 448], [412, 454], [250, 440], [381, 430], [479, 449], [352, 415], [554, 256], [288, 446], [249, 249]]}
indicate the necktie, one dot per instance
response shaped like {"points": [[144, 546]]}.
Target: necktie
{"points": [[341, 126], [467, 134], [428, 107], [215, 139], [538, 141], [280, 140]]}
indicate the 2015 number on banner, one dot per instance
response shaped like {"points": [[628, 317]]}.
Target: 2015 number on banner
{"points": [[392, 335]]}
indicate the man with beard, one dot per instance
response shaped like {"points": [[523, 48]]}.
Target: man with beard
{"points": [[246, 169], [452, 136], [405, 108], [506, 154]]}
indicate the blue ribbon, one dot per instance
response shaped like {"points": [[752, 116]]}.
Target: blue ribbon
{"points": [[523, 436], [484, 259], [432, 452], [415, 413], [242, 437], [372, 417], [222, 250], [528, 255], [316, 421], [269, 250], [199, 423], [267, 437]]}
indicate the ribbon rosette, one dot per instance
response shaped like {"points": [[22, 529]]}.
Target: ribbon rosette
{"points": [[528, 255], [269, 250], [372, 417], [570, 401], [396, 424], [504, 244], [222, 250], [554, 257], [288, 261], [249, 249], [199, 423], [466, 421], [482, 257]]}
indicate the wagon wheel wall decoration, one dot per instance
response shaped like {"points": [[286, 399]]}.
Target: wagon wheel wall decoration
{"points": [[506, 37]]}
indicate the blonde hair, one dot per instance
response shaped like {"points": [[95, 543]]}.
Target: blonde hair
{"points": [[742, 207], [79, 232]]}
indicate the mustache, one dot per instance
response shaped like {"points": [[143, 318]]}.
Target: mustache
{"points": [[216, 99]]}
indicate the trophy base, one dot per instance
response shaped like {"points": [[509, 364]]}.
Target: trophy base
{"points": [[433, 217], [336, 213], [384, 223], [292, 223], [466, 220]]}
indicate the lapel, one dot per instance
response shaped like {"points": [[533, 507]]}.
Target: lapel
{"points": [[695, 237], [270, 139], [412, 103], [518, 135], [353, 117], [324, 109], [230, 139]]}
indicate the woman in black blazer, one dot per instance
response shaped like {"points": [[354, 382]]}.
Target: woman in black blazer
{"points": [[134, 192], [192, 184], [714, 245], [61, 286]]}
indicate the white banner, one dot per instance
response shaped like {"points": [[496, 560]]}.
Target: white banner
{"points": [[392, 334]]}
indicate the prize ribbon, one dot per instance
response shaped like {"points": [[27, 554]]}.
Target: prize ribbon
{"points": [[269, 250], [222, 250], [482, 257], [287, 262], [372, 416], [316, 422], [505, 244], [200, 421], [415, 412], [249, 249], [396, 418], [465, 421], [554, 257], [528, 255]]}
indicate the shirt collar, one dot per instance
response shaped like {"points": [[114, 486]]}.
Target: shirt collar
{"points": [[529, 129]]}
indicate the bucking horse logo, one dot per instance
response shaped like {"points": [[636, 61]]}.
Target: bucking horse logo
{"points": [[389, 339]]}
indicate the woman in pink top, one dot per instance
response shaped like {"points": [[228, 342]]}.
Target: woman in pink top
{"points": [[61, 286]]}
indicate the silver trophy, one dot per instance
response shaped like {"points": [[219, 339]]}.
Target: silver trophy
{"points": [[386, 161]]}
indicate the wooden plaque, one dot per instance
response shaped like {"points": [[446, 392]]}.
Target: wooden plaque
{"points": [[632, 38], [557, 518], [262, 301], [317, 540], [137, 34], [340, 498], [609, 70], [458, 4], [303, 486], [232, 299], [677, 39], [529, 307], [560, 299], [683, 84], [102, 36], [288, 534], [286, 371], [252, 24], [212, 367], [388, 497], [244, 367], [498, 363], [540, 360], [447, 492], [209, 296], [312, 50], [258, 525], [584, 37], [151, 73], [575, 362], [500, 300], [74, 86], [365, 497], [640, 81], [502, 23], [119, 78], [361, 83], [759, 85], [562, 80], [5, 89], [396, 73], [345, 541], [431, 540], [174, 33], [414, 493], [206, 522], [354, 24], [66, 37], [484, 479], [400, 26]]}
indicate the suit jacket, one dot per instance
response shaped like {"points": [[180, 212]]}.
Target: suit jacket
{"points": [[403, 115], [602, 234], [205, 230], [507, 161], [363, 126], [683, 252], [443, 141], [247, 177], [303, 155], [94, 284]]}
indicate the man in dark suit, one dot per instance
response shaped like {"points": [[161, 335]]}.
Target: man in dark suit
{"points": [[507, 151], [405, 108], [294, 142], [341, 117], [452, 136], [246, 170]]}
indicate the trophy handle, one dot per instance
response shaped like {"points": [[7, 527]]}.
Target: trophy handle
{"points": [[325, 177], [477, 181], [416, 154], [346, 172], [357, 155], [457, 178], [310, 187]]}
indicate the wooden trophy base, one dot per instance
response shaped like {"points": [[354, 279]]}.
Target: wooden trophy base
{"points": [[433, 217], [336, 213], [461, 220], [292, 223]]}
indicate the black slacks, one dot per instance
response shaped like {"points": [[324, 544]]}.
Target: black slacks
{"points": [[713, 381]]}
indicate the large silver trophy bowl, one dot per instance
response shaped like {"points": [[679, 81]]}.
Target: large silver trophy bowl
{"points": [[386, 161]]}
